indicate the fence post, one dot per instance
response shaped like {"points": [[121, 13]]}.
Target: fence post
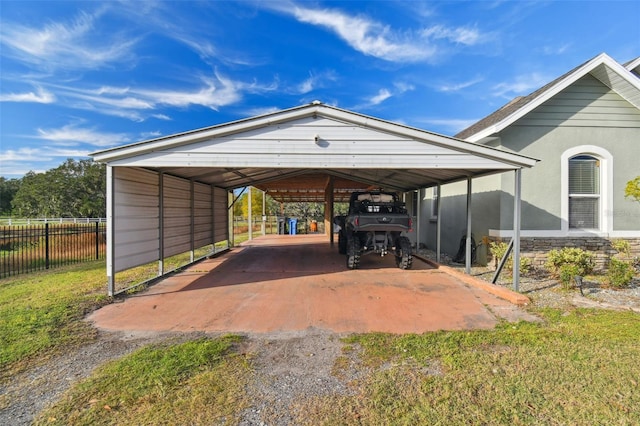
{"points": [[97, 243], [46, 245]]}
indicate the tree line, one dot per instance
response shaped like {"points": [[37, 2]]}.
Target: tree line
{"points": [[76, 188]]}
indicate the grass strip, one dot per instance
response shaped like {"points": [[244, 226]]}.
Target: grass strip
{"points": [[41, 313], [197, 382], [579, 368]]}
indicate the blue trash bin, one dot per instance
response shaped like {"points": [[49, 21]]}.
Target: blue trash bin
{"points": [[293, 226]]}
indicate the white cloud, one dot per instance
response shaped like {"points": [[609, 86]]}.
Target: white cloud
{"points": [[366, 35], [379, 40], [455, 87], [72, 45], [461, 35], [521, 85], [383, 95], [253, 112], [21, 154], [70, 135], [138, 104], [315, 81], [40, 96]]}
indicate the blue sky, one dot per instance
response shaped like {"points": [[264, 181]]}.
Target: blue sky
{"points": [[79, 77]]}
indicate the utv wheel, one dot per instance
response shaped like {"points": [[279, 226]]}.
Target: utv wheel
{"points": [[342, 243], [404, 258], [353, 252]]}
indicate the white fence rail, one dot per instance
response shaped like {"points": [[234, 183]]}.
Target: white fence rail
{"points": [[40, 220]]}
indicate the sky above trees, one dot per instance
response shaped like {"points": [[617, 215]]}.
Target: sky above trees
{"points": [[78, 77]]}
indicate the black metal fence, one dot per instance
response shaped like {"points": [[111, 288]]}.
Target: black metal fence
{"points": [[37, 247]]}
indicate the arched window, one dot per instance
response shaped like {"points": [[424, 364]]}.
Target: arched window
{"points": [[584, 192]]}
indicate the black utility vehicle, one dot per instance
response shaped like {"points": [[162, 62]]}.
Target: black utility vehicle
{"points": [[375, 224]]}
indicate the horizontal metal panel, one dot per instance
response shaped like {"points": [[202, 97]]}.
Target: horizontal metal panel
{"points": [[203, 192], [146, 235], [137, 259], [174, 203], [136, 175], [202, 219], [177, 222], [133, 248], [136, 200], [135, 223], [202, 233], [221, 234], [177, 194], [175, 182], [129, 211], [173, 250], [199, 228], [123, 187], [177, 231]]}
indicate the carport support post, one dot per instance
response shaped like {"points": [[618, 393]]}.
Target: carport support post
{"points": [[161, 223], [328, 208], [250, 215], [230, 218], [467, 268], [438, 225], [192, 253], [111, 274], [517, 196], [264, 213]]}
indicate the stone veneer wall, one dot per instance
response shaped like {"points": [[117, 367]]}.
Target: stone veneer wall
{"points": [[536, 249]]}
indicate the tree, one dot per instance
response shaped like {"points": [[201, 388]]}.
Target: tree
{"points": [[241, 207], [632, 190], [73, 189], [8, 189]]}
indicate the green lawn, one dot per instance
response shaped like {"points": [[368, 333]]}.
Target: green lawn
{"points": [[579, 368], [40, 313]]}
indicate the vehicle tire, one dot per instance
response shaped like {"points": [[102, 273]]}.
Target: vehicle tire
{"points": [[404, 257], [342, 243], [353, 252]]}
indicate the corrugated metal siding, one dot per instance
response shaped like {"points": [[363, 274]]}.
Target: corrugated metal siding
{"points": [[587, 103], [176, 215], [220, 215], [137, 225], [202, 215]]}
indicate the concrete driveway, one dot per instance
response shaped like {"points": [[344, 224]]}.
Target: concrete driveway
{"points": [[291, 283]]}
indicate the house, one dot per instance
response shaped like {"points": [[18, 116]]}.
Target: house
{"points": [[585, 128]]}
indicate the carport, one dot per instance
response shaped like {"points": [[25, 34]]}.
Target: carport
{"points": [[173, 194]]}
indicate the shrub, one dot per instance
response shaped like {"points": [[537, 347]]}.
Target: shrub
{"points": [[498, 249], [620, 273], [567, 273], [569, 262], [621, 270]]}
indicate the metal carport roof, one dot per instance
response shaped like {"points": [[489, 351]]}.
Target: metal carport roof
{"points": [[169, 195], [290, 154]]}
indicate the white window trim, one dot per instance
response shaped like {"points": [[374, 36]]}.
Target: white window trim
{"points": [[606, 181]]}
